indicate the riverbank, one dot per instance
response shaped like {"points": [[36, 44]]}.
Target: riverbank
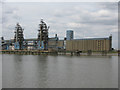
{"points": [[46, 52]]}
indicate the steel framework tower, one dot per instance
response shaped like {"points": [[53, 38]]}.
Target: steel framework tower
{"points": [[43, 36], [18, 38]]}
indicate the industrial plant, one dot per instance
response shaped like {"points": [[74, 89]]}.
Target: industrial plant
{"points": [[44, 42]]}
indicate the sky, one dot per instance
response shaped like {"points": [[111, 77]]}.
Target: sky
{"points": [[86, 19], [61, 0]]}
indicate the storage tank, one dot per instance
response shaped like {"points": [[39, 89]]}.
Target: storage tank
{"points": [[69, 34]]}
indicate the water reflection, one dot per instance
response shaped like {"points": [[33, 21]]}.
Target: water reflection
{"points": [[33, 71], [41, 71], [0, 71]]}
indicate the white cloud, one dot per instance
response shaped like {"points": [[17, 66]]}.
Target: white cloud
{"points": [[76, 25], [62, 0], [114, 31]]}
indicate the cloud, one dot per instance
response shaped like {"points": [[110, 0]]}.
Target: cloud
{"points": [[61, 1], [0, 18], [108, 6], [76, 25]]}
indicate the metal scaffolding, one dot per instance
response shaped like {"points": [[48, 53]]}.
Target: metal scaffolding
{"points": [[43, 35], [18, 38]]}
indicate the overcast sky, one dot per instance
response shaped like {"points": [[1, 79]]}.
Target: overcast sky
{"points": [[61, 0], [88, 19]]}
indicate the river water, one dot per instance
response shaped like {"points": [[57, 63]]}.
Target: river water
{"points": [[34, 71]]}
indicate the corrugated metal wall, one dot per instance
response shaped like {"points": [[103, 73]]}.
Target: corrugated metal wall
{"points": [[50, 43], [54, 43]]}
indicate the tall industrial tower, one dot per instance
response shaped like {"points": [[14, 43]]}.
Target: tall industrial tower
{"points": [[43, 36], [110, 42], [18, 38]]}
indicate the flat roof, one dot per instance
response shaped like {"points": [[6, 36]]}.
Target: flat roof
{"points": [[92, 39]]}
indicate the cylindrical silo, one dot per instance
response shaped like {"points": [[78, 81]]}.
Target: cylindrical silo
{"points": [[69, 34]]}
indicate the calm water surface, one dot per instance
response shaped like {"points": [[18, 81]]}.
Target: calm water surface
{"points": [[32, 71], [0, 71]]}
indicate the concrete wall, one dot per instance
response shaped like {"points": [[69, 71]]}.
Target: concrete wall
{"points": [[60, 43], [84, 45]]}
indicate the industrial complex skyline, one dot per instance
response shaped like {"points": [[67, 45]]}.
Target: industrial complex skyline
{"points": [[85, 19], [43, 42]]}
